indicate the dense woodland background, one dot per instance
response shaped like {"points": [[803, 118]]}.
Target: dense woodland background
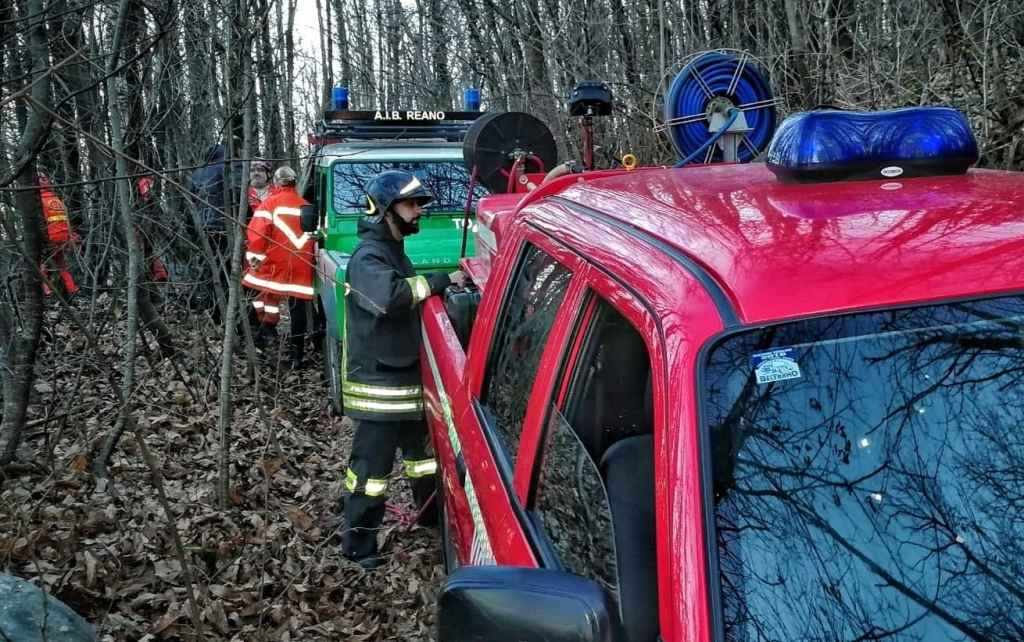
{"points": [[189, 492]]}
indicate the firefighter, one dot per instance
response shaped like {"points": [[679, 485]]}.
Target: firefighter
{"points": [[259, 183], [381, 381], [59, 234], [149, 211], [259, 190], [280, 257]]}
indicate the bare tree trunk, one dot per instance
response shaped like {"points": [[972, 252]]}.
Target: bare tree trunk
{"points": [[289, 112], [238, 97], [270, 93], [798, 45], [343, 42], [442, 92], [325, 61], [125, 418], [22, 356]]}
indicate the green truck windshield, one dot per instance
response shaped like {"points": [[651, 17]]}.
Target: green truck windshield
{"points": [[867, 474], [448, 181]]}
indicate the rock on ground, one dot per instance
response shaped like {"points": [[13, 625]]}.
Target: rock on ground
{"points": [[27, 614]]}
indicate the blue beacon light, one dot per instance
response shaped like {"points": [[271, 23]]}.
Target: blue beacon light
{"points": [[339, 98], [471, 99], [834, 145]]}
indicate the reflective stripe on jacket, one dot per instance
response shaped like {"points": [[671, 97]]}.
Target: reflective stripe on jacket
{"points": [[58, 229], [380, 372], [285, 252]]}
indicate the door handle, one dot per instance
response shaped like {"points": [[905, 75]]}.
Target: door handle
{"points": [[460, 469]]}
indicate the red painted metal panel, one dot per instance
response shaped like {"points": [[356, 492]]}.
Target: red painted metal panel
{"points": [[788, 250], [777, 252], [443, 366], [487, 505], [675, 315]]}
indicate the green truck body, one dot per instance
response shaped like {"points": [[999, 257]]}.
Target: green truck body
{"points": [[334, 182]]}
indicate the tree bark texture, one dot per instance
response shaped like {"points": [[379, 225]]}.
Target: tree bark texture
{"points": [[17, 383]]}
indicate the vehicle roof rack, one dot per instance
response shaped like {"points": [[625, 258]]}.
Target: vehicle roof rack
{"points": [[394, 124]]}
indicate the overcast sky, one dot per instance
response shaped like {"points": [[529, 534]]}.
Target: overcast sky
{"points": [[306, 26]]}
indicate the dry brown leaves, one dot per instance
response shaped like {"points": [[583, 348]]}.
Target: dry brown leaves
{"points": [[267, 568]]}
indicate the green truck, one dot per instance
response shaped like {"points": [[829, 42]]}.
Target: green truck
{"points": [[350, 148]]}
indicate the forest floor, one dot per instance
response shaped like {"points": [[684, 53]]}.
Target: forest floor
{"points": [[268, 567]]}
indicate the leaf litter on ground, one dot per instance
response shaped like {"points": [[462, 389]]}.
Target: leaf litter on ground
{"points": [[266, 568]]}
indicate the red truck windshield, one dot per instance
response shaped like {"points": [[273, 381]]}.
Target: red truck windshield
{"points": [[448, 181], [867, 475]]}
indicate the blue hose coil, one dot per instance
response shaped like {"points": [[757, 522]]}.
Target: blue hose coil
{"points": [[716, 73]]}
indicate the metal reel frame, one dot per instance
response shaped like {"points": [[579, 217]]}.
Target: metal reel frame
{"points": [[658, 125]]}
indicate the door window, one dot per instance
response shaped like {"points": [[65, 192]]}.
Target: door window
{"points": [[594, 492], [572, 506], [536, 293]]}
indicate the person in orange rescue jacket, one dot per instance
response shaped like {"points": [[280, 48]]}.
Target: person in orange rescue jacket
{"points": [[280, 257], [59, 234], [148, 211]]}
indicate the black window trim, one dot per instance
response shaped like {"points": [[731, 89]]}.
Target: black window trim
{"points": [[521, 250], [539, 543], [589, 298], [329, 196]]}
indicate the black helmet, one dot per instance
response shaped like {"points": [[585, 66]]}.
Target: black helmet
{"points": [[387, 188]]}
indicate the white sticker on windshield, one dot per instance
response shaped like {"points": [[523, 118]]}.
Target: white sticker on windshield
{"points": [[777, 365]]}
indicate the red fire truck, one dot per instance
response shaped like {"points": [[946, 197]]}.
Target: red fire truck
{"points": [[766, 401]]}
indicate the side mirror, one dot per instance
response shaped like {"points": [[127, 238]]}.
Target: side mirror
{"points": [[484, 603], [309, 220]]}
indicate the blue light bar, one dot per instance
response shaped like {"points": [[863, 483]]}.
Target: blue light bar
{"points": [[471, 99], [339, 98], [834, 145]]}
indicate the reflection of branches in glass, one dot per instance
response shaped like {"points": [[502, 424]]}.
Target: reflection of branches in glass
{"points": [[573, 506], [448, 181], [538, 289], [880, 494]]}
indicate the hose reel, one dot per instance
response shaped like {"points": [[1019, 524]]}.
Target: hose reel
{"points": [[499, 146], [719, 107]]}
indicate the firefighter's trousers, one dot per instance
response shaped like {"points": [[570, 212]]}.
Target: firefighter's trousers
{"points": [[57, 259], [367, 479]]}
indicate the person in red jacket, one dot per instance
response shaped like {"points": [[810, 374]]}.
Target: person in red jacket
{"points": [[59, 234], [148, 208], [280, 257]]}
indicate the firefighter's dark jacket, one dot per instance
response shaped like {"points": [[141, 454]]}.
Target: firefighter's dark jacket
{"points": [[382, 327]]}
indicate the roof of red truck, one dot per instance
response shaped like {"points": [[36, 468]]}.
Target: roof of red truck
{"points": [[785, 250]]}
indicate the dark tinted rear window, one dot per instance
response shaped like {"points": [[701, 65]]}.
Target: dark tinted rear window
{"points": [[868, 475]]}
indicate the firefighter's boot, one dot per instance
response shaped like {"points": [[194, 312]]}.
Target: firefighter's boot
{"points": [[69, 283], [42, 280], [265, 337], [296, 352]]}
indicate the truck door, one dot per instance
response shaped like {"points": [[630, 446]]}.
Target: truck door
{"points": [[586, 479], [522, 327]]}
